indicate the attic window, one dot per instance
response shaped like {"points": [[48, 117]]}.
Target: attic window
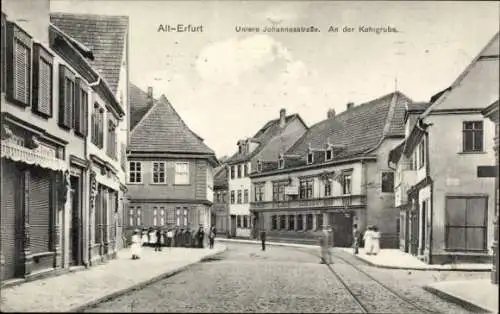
{"points": [[281, 162], [239, 149], [259, 166], [329, 153], [310, 157]]}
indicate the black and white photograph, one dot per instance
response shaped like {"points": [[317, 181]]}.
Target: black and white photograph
{"points": [[283, 156]]}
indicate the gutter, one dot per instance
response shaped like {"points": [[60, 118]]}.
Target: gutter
{"points": [[96, 82]]}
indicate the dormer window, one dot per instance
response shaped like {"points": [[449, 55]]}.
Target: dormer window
{"points": [[259, 166], [310, 157], [240, 149], [329, 153], [281, 162]]}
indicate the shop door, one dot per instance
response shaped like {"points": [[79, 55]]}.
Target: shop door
{"points": [[414, 224], [233, 225], [39, 211], [75, 231], [342, 229]]}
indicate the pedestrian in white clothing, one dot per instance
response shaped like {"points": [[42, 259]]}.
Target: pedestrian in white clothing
{"points": [[136, 246], [375, 240], [368, 237]]}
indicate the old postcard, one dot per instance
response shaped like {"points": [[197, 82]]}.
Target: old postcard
{"points": [[249, 156]]}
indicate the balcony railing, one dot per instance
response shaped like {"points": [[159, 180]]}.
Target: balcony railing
{"points": [[336, 201]]}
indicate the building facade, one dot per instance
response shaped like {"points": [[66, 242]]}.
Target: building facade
{"points": [[103, 41], [170, 169], [447, 211], [336, 174], [220, 209], [277, 135]]}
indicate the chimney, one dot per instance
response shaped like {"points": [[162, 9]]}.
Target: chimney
{"points": [[282, 117], [350, 105], [331, 113], [150, 94]]}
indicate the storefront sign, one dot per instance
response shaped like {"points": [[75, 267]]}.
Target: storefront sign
{"points": [[292, 190], [40, 157]]}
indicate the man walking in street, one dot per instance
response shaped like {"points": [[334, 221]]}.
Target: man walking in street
{"points": [[211, 236], [326, 256], [158, 240], [263, 239], [356, 235]]}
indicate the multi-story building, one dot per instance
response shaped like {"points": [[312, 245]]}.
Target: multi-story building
{"points": [[447, 210], [170, 168], [47, 85], [336, 174], [220, 209], [276, 136], [103, 41]]}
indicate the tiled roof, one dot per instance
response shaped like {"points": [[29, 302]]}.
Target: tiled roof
{"points": [[139, 104], [220, 177], [161, 129], [270, 130], [354, 132], [103, 34], [418, 106]]}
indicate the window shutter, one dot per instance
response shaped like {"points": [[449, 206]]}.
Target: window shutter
{"points": [[77, 106], [3, 52], [66, 97], [42, 81], [19, 46], [85, 115]]}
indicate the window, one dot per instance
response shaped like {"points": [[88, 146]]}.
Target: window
{"points": [[80, 111], [111, 139], [387, 182], [259, 192], [274, 222], [282, 222], [281, 163], [245, 170], [238, 222], [309, 222], [328, 188], [473, 136], [421, 154], [300, 222], [466, 219], [97, 125], [259, 166], [131, 216], [138, 214], [310, 158], [181, 173], [347, 183], [232, 197], [239, 171], [19, 45], [279, 191], [155, 216], [291, 222], [239, 196], [178, 216], [159, 172], [329, 154], [135, 172], [232, 172], [306, 188], [162, 216], [185, 216], [319, 222], [245, 196], [245, 221], [170, 216], [42, 81], [66, 97]]}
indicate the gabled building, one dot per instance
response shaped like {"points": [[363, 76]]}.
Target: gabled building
{"points": [[274, 137], [447, 211], [220, 209], [170, 168], [103, 42], [335, 174]]}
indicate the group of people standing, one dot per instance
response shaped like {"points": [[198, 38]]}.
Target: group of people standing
{"points": [[370, 239], [178, 237]]}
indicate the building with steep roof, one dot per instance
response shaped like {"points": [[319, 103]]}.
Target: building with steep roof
{"points": [[446, 210], [220, 210], [170, 168], [335, 174], [275, 137], [102, 41]]}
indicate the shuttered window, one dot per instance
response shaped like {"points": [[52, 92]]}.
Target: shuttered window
{"points": [[66, 97], [42, 81], [80, 111], [19, 47], [3, 52]]}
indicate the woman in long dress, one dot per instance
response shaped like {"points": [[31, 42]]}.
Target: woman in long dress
{"points": [[136, 246], [368, 237], [376, 240]]}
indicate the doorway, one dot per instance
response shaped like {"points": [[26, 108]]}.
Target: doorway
{"points": [[342, 229], [75, 232], [233, 226]]}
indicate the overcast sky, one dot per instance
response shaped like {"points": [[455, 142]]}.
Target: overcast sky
{"points": [[226, 84]]}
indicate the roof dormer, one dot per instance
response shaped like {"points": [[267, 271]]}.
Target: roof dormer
{"points": [[259, 166], [281, 161], [328, 150], [310, 155]]}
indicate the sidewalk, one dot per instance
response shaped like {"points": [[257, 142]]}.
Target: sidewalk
{"points": [[75, 291], [474, 295], [267, 243], [397, 259]]}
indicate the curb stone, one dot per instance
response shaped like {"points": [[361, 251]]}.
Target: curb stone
{"points": [[469, 306], [137, 286], [268, 243]]}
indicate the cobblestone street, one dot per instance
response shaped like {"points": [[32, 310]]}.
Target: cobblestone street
{"points": [[286, 279]]}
